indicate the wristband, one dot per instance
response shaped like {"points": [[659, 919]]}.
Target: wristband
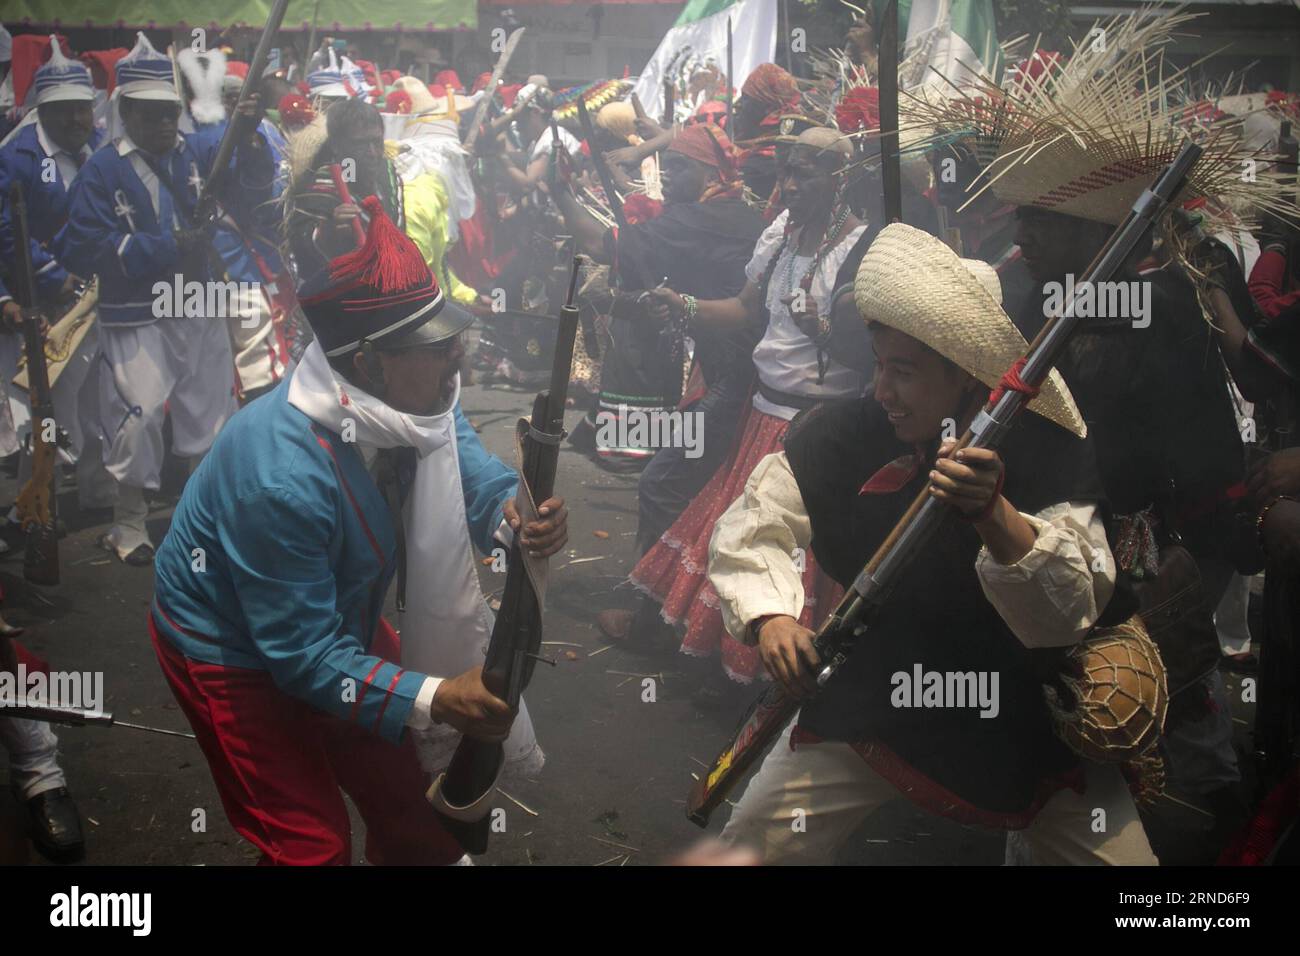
{"points": [[692, 308]]}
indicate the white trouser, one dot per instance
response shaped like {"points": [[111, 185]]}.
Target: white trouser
{"points": [[76, 400], [177, 366], [836, 790], [252, 334], [69, 406], [1230, 616], [33, 756]]}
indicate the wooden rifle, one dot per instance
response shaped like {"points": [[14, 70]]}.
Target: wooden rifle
{"points": [[37, 503], [891, 176], [480, 111], [849, 623], [462, 794], [602, 167]]}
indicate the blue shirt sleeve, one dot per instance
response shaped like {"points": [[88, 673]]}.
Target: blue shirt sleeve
{"points": [[280, 546], [252, 170], [93, 241], [487, 481], [50, 276]]}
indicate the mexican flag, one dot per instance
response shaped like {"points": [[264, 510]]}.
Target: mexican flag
{"points": [[701, 32], [957, 38]]}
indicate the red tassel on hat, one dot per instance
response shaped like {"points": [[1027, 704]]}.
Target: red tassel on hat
{"points": [[388, 260]]}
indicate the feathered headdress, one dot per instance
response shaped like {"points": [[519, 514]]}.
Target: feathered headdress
{"points": [[204, 73], [1084, 136]]}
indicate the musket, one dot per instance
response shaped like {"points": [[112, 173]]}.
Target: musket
{"points": [[1289, 148], [311, 37], [498, 71], [37, 503], [462, 794], [77, 717], [891, 177], [850, 622], [670, 106], [602, 167], [238, 126], [731, 93]]}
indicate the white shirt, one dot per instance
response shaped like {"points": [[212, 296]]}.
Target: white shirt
{"points": [[786, 358], [572, 145], [1049, 598], [65, 161], [126, 147]]}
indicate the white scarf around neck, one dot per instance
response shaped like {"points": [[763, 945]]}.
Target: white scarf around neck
{"points": [[326, 398]]}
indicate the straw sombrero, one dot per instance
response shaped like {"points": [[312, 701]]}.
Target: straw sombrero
{"points": [[422, 100], [912, 282], [1088, 133]]}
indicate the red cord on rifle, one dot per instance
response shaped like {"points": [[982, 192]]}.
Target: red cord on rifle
{"points": [[1012, 382]]}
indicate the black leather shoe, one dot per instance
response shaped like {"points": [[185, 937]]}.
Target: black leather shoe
{"points": [[56, 826]]}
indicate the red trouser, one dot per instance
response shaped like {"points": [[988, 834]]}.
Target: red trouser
{"points": [[279, 763]]}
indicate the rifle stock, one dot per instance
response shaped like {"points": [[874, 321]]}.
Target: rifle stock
{"points": [[462, 793], [840, 633], [36, 503]]}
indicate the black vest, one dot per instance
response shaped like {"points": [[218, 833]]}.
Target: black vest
{"points": [[937, 616]]}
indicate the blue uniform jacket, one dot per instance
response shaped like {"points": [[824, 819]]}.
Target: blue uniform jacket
{"points": [[256, 227], [113, 232], [22, 160], [281, 551]]}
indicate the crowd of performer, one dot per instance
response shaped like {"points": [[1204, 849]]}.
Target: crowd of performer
{"points": [[380, 240]]}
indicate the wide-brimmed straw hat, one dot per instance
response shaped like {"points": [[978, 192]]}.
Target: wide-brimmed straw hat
{"points": [[912, 282], [1088, 133]]}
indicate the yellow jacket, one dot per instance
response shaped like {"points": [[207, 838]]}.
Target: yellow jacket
{"points": [[426, 204]]}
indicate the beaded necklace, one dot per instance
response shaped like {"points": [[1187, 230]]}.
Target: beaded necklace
{"points": [[828, 243]]}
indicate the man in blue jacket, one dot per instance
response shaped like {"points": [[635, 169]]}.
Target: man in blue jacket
{"points": [[161, 308], [266, 615], [45, 156]]}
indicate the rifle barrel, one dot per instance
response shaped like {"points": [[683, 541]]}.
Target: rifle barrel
{"points": [[840, 633], [235, 127]]}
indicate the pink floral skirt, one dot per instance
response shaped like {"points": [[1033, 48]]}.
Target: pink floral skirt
{"points": [[675, 571]]}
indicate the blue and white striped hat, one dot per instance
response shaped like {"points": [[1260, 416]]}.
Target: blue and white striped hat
{"points": [[145, 74], [328, 80], [354, 78], [60, 80]]}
